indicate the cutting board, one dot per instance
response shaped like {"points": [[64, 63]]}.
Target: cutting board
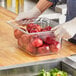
{"points": [[10, 54]]}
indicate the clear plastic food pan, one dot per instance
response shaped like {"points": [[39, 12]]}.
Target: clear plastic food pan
{"points": [[35, 36]]}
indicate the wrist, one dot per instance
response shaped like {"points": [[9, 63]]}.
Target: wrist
{"points": [[42, 5], [35, 12]]}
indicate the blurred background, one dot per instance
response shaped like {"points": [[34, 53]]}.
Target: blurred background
{"points": [[18, 6], [22, 5]]}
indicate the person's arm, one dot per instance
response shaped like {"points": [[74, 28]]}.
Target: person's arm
{"points": [[42, 5]]}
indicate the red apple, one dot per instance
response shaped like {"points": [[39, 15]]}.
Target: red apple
{"points": [[37, 42], [48, 28], [31, 49], [55, 46], [20, 42], [33, 27], [48, 40], [29, 26], [18, 33], [38, 27], [25, 39], [44, 49], [47, 37], [43, 30], [33, 30], [33, 36]]}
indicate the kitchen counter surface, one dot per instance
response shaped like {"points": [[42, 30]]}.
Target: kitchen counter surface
{"points": [[10, 54]]}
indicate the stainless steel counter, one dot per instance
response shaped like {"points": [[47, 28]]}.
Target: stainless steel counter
{"points": [[33, 69]]}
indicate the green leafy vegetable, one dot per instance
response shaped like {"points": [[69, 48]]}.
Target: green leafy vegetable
{"points": [[52, 72]]}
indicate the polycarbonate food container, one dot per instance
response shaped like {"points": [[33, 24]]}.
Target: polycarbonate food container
{"points": [[35, 37]]}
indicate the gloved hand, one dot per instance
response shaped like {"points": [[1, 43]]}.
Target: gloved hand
{"points": [[66, 30], [34, 13]]}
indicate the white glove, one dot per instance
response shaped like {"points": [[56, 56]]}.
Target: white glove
{"points": [[66, 30], [34, 13]]}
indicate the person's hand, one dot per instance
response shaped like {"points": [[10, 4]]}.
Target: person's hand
{"points": [[66, 30], [61, 32], [34, 13]]}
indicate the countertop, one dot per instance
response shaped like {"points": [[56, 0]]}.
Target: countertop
{"points": [[10, 54]]}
